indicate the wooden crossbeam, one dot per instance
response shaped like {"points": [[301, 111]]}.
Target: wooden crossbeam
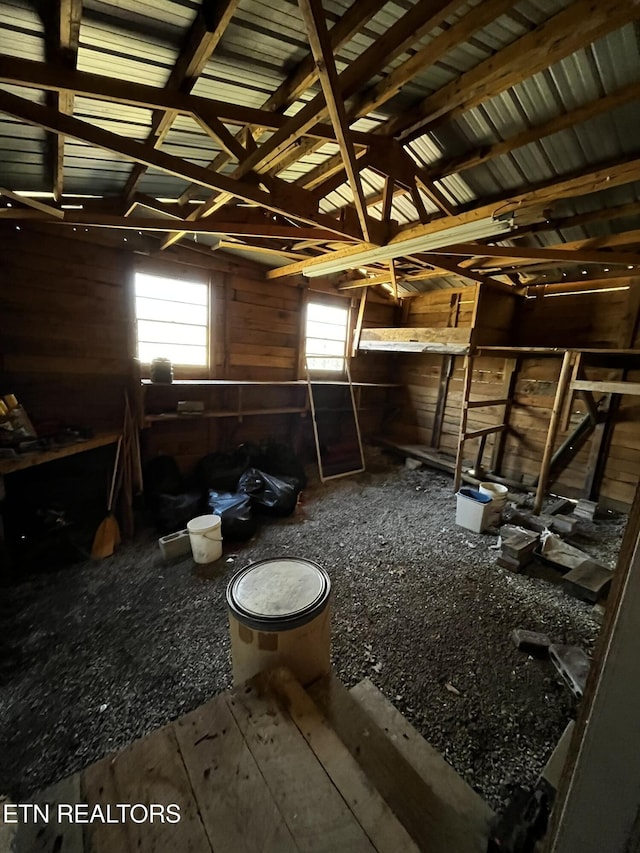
{"points": [[303, 76], [43, 116], [315, 23], [33, 203], [41, 75], [626, 95], [586, 182], [415, 23], [563, 254]]}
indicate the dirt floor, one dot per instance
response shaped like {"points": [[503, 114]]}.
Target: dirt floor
{"points": [[100, 653]]}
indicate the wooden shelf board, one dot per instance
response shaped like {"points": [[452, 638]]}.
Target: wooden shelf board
{"points": [[192, 416], [39, 457]]}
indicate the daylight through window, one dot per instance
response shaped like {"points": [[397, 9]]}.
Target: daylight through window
{"points": [[326, 339], [172, 319]]}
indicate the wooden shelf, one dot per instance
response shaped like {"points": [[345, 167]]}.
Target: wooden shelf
{"points": [[194, 416], [39, 457]]}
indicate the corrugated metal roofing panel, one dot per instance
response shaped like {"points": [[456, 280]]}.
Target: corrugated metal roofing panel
{"points": [[21, 33]]}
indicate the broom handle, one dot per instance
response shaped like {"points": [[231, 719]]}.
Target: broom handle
{"points": [[113, 478]]}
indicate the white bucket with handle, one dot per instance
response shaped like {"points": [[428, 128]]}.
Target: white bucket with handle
{"points": [[206, 538], [498, 494]]}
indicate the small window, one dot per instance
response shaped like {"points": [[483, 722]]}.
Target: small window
{"points": [[326, 339], [172, 320]]}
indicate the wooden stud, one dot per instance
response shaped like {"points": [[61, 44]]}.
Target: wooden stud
{"points": [[556, 411]]}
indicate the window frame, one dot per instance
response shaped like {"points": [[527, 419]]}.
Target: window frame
{"points": [[189, 275], [328, 301]]}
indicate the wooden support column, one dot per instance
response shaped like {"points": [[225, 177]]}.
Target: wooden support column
{"points": [[443, 390], [468, 379], [561, 390]]}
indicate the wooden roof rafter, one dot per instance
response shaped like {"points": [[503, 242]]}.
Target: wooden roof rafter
{"points": [[202, 39]]}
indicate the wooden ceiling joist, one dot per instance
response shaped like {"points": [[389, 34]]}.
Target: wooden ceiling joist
{"points": [[43, 116], [561, 254], [413, 25], [40, 75]]}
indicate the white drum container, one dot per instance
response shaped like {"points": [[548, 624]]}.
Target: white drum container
{"points": [[205, 538], [279, 615]]}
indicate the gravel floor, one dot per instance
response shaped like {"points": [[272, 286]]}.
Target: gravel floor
{"points": [[98, 654]]}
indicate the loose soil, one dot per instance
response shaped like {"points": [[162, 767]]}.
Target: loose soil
{"points": [[100, 653]]}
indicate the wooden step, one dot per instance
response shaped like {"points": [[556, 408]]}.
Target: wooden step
{"points": [[254, 770], [441, 812]]}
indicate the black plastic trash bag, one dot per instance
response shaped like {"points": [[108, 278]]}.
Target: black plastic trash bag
{"points": [[172, 512], [238, 520], [221, 471], [162, 477], [278, 459], [270, 495]]}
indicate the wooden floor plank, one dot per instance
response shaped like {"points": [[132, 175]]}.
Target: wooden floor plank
{"points": [[51, 836], [314, 811], [236, 806], [98, 788], [376, 818], [151, 770]]}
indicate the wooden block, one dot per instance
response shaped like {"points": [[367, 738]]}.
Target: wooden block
{"points": [[434, 817], [589, 581], [509, 563], [520, 545], [531, 641]]}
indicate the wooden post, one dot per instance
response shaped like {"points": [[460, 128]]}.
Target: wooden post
{"points": [[563, 383], [358, 329], [468, 378]]}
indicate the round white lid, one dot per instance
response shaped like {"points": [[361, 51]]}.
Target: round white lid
{"points": [[279, 588]]}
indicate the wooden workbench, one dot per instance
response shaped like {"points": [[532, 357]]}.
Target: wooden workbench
{"points": [[39, 457]]}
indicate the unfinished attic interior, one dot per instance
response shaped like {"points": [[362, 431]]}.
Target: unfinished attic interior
{"points": [[320, 425]]}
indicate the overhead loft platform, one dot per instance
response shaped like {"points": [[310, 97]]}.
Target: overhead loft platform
{"points": [[446, 341]]}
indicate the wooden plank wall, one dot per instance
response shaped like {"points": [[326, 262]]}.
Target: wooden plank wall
{"points": [[68, 339], [66, 345], [582, 320]]}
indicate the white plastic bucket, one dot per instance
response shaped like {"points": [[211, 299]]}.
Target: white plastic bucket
{"points": [[279, 615], [472, 509], [205, 538], [498, 494]]}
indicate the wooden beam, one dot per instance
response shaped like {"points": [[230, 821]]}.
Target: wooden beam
{"points": [[565, 253], [264, 230], [62, 48], [580, 24], [357, 332], [43, 116], [202, 39], [459, 33], [603, 387], [33, 203], [313, 15], [556, 412], [414, 24], [41, 75], [606, 176]]}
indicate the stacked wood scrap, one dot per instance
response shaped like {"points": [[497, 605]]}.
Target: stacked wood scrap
{"points": [[517, 549], [585, 509]]}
